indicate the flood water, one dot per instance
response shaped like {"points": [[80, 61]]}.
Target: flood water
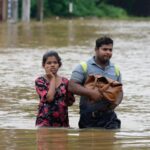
{"points": [[21, 50]]}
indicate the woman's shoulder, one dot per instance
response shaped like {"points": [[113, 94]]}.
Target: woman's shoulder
{"points": [[40, 79], [65, 80]]}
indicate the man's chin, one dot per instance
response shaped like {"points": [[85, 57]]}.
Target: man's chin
{"points": [[105, 61]]}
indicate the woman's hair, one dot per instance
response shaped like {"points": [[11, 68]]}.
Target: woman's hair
{"points": [[50, 54], [105, 40]]}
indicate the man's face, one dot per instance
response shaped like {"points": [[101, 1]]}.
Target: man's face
{"points": [[104, 53]]}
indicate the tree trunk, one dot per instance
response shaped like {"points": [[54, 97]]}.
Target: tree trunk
{"points": [[40, 4], [1, 8], [26, 4], [4, 12], [15, 10], [9, 10]]}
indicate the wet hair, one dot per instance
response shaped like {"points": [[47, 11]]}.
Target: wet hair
{"points": [[51, 54], [105, 40]]}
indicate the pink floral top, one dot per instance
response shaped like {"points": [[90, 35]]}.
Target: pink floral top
{"points": [[55, 113]]}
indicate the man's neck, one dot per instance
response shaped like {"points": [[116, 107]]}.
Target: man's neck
{"points": [[103, 64]]}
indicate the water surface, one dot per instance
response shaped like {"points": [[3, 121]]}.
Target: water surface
{"points": [[21, 50]]}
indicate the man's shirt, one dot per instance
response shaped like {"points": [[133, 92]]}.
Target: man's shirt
{"points": [[79, 76]]}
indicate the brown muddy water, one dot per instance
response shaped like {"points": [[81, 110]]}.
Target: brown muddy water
{"points": [[21, 50]]}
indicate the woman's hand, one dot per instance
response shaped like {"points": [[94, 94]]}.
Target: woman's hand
{"points": [[49, 74]]}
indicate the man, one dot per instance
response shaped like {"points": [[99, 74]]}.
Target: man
{"points": [[92, 113]]}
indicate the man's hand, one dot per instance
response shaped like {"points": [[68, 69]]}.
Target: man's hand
{"points": [[95, 95]]}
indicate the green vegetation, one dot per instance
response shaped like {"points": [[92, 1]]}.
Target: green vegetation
{"points": [[82, 8], [99, 8]]}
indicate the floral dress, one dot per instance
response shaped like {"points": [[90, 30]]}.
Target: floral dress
{"points": [[55, 113]]}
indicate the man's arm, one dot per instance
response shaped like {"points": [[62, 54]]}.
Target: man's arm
{"points": [[76, 85], [78, 89]]}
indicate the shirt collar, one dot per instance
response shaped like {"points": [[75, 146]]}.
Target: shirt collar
{"points": [[92, 61]]}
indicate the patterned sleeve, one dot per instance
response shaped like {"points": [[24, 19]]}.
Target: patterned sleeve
{"points": [[41, 88], [70, 99]]}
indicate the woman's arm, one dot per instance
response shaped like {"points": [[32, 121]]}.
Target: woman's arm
{"points": [[52, 87], [51, 91]]}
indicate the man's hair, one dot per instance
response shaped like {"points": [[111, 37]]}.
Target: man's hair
{"points": [[103, 41]]}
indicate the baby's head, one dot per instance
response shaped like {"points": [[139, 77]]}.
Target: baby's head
{"points": [[51, 54]]}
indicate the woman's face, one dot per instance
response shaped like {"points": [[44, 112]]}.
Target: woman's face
{"points": [[51, 65]]}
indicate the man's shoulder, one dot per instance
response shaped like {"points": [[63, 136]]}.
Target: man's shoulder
{"points": [[82, 63], [90, 60], [111, 64], [78, 74]]}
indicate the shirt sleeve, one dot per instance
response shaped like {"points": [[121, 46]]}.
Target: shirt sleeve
{"points": [[69, 99], [41, 89], [78, 74], [119, 79]]}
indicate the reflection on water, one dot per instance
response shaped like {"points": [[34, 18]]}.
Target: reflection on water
{"points": [[75, 139], [55, 33], [52, 139], [21, 50], [66, 139]]}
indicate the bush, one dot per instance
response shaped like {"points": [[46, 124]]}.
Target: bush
{"points": [[80, 8], [112, 11], [102, 10]]}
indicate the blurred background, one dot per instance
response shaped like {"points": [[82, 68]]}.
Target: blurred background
{"points": [[29, 28], [38, 9]]}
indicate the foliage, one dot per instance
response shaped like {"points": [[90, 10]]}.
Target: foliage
{"points": [[84, 8], [56, 7], [112, 11], [33, 8], [100, 8]]}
